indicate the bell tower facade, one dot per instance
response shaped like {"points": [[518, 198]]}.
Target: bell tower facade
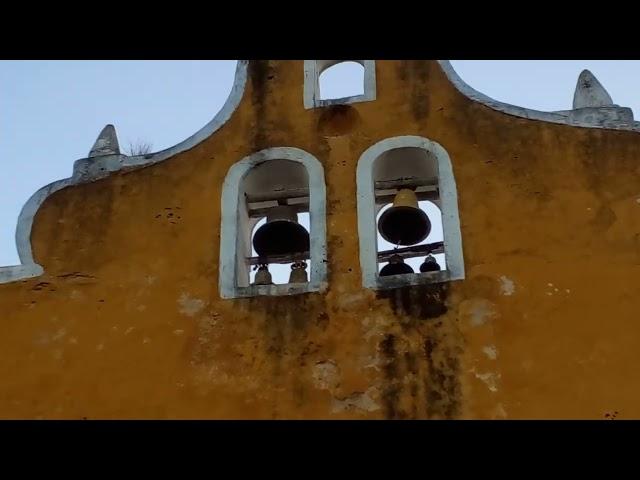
{"points": [[416, 251]]}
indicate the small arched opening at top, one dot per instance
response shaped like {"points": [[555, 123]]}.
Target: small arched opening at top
{"points": [[338, 82], [342, 80]]}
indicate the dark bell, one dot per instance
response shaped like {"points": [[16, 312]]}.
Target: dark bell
{"points": [[396, 266], [282, 234], [404, 223], [429, 265], [298, 273], [263, 276]]}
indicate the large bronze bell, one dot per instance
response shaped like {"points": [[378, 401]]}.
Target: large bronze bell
{"points": [[430, 265], [282, 234], [396, 266], [404, 223]]}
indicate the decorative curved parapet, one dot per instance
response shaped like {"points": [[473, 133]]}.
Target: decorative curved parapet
{"points": [[610, 117], [103, 159], [88, 169]]}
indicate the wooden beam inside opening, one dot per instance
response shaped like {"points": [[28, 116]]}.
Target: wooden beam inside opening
{"points": [[279, 259], [412, 252]]}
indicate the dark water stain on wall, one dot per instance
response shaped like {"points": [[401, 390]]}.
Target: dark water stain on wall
{"points": [[419, 302], [420, 311], [287, 321], [415, 75], [442, 386], [392, 388], [259, 72]]}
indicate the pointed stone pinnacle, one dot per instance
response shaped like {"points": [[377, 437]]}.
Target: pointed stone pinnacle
{"points": [[106, 144], [590, 92]]}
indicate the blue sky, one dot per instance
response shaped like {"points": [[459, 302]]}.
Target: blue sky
{"points": [[52, 111]]}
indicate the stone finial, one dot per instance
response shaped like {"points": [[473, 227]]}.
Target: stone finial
{"points": [[106, 144], [590, 92]]}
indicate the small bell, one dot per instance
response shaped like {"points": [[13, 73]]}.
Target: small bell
{"points": [[429, 265], [282, 234], [396, 266], [404, 223], [298, 273], [263, 276]]}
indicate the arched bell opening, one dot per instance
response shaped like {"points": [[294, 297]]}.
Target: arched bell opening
{"points": [[260, 194], [415, 172], [275, 195], [408, 219]]}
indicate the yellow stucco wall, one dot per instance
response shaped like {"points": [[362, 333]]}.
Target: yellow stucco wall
{"points": [[127, 321]]}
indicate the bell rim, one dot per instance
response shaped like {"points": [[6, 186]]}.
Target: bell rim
{"points": [[393, 209]]}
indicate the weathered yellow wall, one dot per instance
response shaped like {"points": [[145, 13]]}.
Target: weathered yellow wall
{"points": [[127, 321]]}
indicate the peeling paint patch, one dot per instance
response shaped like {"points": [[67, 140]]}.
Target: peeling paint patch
{"points": [[326, 375], [490, 351], [351, 300], [178, 332], [507, 287], [374, 362], [490, 379], [44, 339], [500, 412], [59, 334], [481, 311], [76, 295], [190, 306], [362, 401]]}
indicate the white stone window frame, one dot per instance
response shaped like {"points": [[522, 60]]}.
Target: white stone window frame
{"points": [[367, 210], [314, 68], [231, 241]]}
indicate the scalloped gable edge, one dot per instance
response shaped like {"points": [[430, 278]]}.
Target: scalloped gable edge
{"points": [[564, 117], [90, 169]]}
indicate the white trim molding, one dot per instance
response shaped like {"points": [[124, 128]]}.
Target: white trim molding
{"points": [[611, 117], [367, 229], [93, 168], [314, 68], [230, 219]]}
